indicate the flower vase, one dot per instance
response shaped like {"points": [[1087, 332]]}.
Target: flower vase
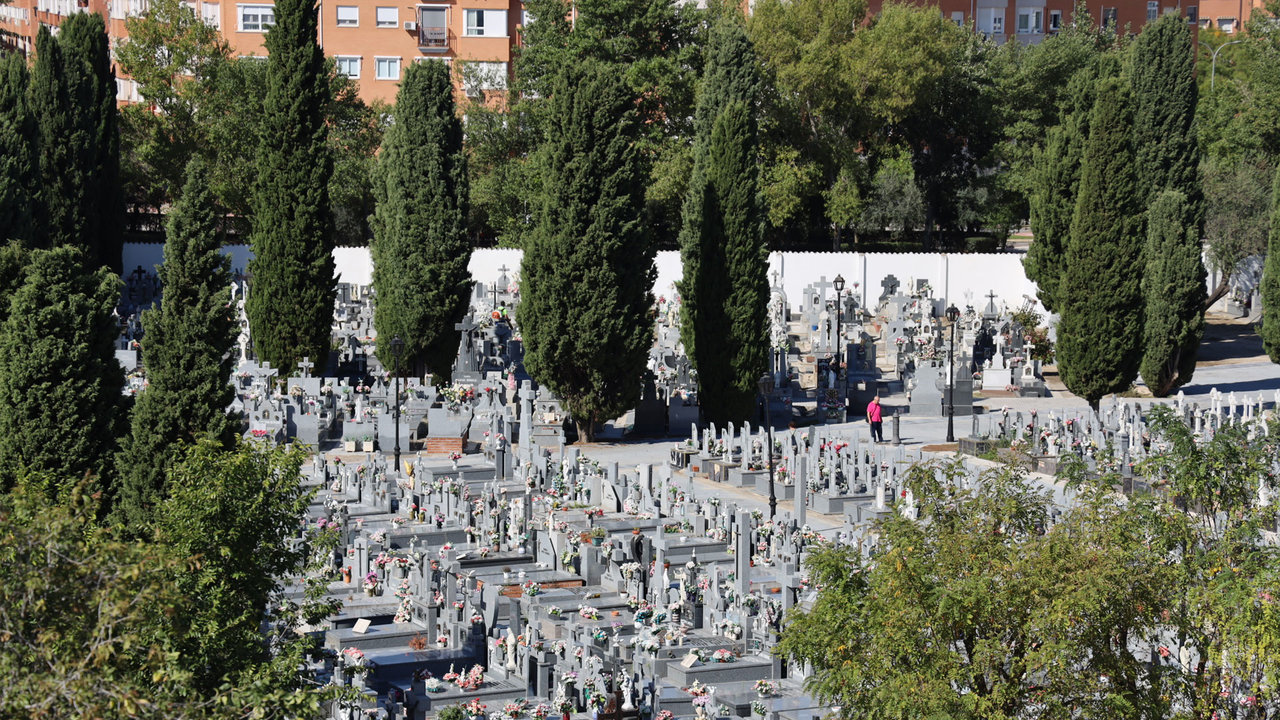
{"points": [[597, 541], [565, 716], [455, 465], [762, 694]]}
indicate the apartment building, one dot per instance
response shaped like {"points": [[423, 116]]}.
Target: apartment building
{"points": [[372, 41], [1030, 21]]}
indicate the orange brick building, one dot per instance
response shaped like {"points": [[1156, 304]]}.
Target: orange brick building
{"points": [[1030, 21], [371, 40]]}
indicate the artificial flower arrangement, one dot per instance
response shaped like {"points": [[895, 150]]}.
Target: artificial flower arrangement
{"points": [[541, 711], [588, 613], [355, 661], [475, 708], [532, 589], [723, 656], [766, 687], [515, 708]]}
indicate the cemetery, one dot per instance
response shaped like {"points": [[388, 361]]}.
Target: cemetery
{"points": [[485, 560]]}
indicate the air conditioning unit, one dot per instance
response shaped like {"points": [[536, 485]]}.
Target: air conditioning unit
{"points": [[410, 25]]}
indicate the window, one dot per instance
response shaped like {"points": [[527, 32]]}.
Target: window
{"points": [[348, 16], [388, 17], [387, 68], [1030, 20], [349, 65], [255, 18], [433, 33], [486, 23], [958, 18], [1153, 10], [480, 76], [991, 21], [1055, 20], [1193, 14], [1108, 17], [1227, 25], [211, 14]]}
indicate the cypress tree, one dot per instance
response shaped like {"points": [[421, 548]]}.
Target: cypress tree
{"points": [[588, 268], [59, 187], [60, 382], [1174, 292], [1270, 288], [17, 152], [1053, 190], [91, 90], [187, 347], [420, 244], [290, 301], [1100, 332], [1164, 94], [725, 289]]}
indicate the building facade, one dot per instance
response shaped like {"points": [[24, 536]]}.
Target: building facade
{"points": [[372, 41]]}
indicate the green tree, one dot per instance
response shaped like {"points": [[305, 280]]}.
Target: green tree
{"points": [[894, 203], [1054, 183], [588, 269], [420, 247], [1270, 287], [60, 382], [1100, 299], [725, 288], [290, 302], [237, 511], [18, 159], [187, 348], [1237, 198], [95, 141], [1173, 290], [1166, 147], [60, 187]]}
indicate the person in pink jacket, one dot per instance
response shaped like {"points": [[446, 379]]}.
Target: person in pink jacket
{"points": [[875, 418]]}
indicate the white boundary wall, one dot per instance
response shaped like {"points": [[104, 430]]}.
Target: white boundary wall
{"points": [[960, 278]]}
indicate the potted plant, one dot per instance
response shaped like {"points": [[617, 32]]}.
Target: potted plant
{"points": [[597, 536], [350, 445]]}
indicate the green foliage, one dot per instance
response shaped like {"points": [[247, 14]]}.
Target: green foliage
{"points": [[60, 383], [290, 303], [236, 512], [59, 188], [95, 140], [1100, 299], [894, 203], [588, 268], [18, 159], [1174, 293], [421, 248], [187, 348], [725, 288], [1270, 287], [1162, 74], [1054, 183], [1237, 197]]}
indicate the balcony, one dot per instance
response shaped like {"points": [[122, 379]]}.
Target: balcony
{"points": [[433, 39]]}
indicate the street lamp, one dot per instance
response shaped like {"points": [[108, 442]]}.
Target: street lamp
{"points": [[838, 284], [397, 347], [953, 314], [1213, 66], [766, 389]]}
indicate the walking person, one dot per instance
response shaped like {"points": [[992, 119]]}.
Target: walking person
{"points": [[875, 417]]}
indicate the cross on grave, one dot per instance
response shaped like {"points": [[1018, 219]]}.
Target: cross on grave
{"points": [[821, 286], [306, 366], [890, 284], [775, 278]]}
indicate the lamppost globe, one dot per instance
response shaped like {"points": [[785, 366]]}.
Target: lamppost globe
{"points": [[838, 284], [953, 313], [766, 385], [397, 347]]}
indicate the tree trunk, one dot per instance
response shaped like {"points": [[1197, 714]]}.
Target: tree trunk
{"points": [[586, 429], [1218, 292]]}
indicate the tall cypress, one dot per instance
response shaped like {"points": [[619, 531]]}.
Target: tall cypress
{"points": [[187, 347], [290, 302], [420, 244], [1054, 183], [1174, 292], [725, 289], [60, 382], [1270, 288], [59, 187], [588, 269], [1163, 79], [95, 142], [18, 160], [1100, 299]]}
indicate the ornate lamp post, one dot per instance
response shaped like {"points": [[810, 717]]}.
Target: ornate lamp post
{"points": [[838, 284], [766, 390], [397, 347], [953, 314]]}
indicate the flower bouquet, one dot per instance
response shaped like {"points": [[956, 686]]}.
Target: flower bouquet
{"points": [[765, 688]]}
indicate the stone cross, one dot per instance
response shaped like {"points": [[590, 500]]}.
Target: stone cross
{"points": [[306, 366]]}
